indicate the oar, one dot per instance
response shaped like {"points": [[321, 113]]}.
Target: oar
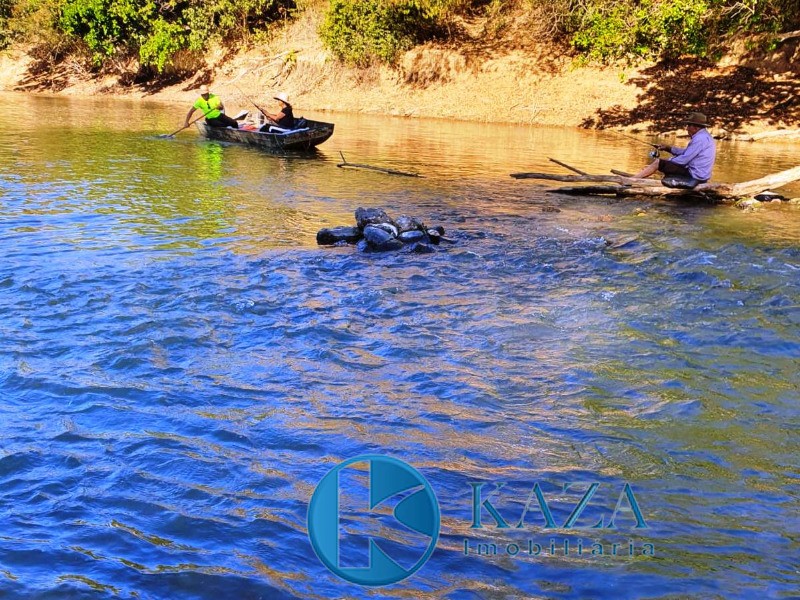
{"points": [[166, 135]]}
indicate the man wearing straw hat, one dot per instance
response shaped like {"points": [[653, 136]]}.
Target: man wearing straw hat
{"points": [[211, 106], [689, 166]]}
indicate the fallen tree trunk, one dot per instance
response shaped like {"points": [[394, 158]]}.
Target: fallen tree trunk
{"points": [[784, 133], [346, 165], [632, 186]]}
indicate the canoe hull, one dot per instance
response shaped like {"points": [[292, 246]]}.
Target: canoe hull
{"points": [[303, 140]]}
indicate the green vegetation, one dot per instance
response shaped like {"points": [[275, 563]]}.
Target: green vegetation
{"points": [[363, 31], [650, 28], [360, 32], [155, 30], [5, 12], [610, 30]]}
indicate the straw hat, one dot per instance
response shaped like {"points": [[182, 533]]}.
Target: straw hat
{"points": [[282, 97], [204, 90], [698, 119]]}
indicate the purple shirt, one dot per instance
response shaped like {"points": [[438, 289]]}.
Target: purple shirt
{"points": [[698, 157]]}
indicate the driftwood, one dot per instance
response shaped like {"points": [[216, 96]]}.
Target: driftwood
{"points": [[625, 185], [784, 133], [346, 165]]}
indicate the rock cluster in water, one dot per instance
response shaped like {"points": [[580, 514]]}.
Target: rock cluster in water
{"points": [[376, 231]]}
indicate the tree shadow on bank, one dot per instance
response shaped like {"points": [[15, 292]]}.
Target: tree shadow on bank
{"points": [[52, 72], [731, 97]]}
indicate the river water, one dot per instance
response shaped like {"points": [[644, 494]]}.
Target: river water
{"points": [[181, 365]]}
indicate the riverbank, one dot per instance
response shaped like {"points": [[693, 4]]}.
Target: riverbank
{"points": [[486, 79]]}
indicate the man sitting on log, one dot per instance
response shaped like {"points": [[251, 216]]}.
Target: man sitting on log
{"points": [[689, 166]]}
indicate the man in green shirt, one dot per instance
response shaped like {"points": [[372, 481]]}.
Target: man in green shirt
{"points": [[211, 106]]}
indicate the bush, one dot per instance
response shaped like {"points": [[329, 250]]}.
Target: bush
{"points": [[35, 22], [163, 43], [651, 28], [6, 8], [157, 32], [608, 30], [363, 31], [107, 25]]}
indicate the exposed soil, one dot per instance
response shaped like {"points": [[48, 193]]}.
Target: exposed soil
{"points": [[488, 76]]}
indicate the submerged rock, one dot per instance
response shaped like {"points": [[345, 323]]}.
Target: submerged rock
{"points": [[420, 248], [409, 237], [335, 235]]}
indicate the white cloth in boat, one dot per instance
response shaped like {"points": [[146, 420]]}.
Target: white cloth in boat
{"points": [[276, 129]]}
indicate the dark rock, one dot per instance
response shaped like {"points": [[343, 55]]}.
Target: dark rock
{"points": [[768, 197], [420, 248], [405, 223], [553, 209], [334, 235], [409, 237], [371, 216], [391, 245], [376, 236], [376, 231]]}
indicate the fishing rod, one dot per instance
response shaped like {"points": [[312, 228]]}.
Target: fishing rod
{"points": [[251, 101], [656, 148]]}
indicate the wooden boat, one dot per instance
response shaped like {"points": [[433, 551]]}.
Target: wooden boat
{"points": [[302, 139]]}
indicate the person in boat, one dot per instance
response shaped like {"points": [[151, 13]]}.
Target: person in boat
{"points": [[284, 118], [689, 166], [213, 109]]}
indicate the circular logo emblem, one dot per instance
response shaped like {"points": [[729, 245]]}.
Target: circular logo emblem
{"points": [[373, 520]]}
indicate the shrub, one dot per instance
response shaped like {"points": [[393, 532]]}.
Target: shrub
{"points": [[106, 25], [157, 31], [6, 7], [362, 31], [650, 28], [164, 41], [36, 22]]}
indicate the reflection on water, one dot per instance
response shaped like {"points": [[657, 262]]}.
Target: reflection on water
{"points": [[181, 364]]}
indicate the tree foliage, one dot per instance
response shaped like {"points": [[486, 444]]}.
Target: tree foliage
{"points": [[364, 31], [157, 30], [612, 30], [5, 12], [649, 28]]}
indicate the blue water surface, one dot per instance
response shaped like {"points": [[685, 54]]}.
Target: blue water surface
{"points": [[181, 365]]}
